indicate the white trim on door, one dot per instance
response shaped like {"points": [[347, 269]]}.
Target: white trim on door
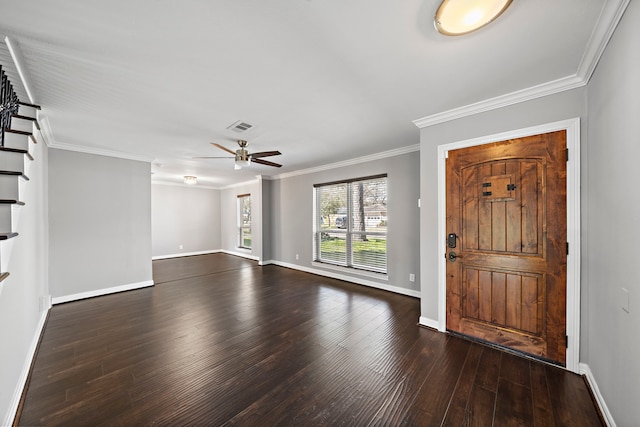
{"points": [[572, 126]]}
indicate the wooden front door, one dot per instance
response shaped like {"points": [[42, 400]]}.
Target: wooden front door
{"points": [[506, 275]]}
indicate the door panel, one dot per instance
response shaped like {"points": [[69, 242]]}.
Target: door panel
{"points": [[506, 299], [498, 220], [506, 284]]}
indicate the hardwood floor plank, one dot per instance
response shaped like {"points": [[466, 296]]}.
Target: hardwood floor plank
{"points": [[430, 405], [570, 399], [222, 341], [395, 386], [515, 369], [480, 410], [542, 404], [489, 369], [458, 411], [408, 378], [296, 393], [513, 404], [167, 270]]}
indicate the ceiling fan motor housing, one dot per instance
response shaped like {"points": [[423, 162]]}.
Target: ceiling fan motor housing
{"points": [[242, 155]]}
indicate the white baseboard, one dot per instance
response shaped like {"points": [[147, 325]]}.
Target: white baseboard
{"points": [[356, 280], [24, 374], [241, 254], [429, 323], [100, 292], [215, 251], [586, 371]]}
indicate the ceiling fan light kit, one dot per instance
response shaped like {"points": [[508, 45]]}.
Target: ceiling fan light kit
{"points": [[242, 161], [457, 17], [242, 155]]}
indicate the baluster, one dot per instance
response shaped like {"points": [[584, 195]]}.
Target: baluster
{"points": [[9, 104]]}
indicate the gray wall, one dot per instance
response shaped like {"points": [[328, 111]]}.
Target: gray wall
{"points": [[549, 109], [291, 224], [611, 223], [184, 215], [100, 222], [267, 207], [20, 315], [229, 216]]}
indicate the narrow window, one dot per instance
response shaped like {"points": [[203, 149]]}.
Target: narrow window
{"points": [[351, 223], [244, 221]]}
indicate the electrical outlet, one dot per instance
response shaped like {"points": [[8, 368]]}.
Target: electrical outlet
{"points": [[297, 256], [180, 247], [412, 277]]}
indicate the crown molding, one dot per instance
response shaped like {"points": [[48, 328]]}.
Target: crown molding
{"points": [[100, 152], [45, 129], [544, 89], [49, 139], [258, 179], [178, 184], [240, 184], [608, 20], [357, 160], [18, 61]]}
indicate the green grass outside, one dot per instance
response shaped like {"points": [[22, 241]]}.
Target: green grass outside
{"points": [[245, 240], [370, 253]]}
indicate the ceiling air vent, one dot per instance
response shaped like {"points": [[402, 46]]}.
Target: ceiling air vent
{"points": [[240, 126]]}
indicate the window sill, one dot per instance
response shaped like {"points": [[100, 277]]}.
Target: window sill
{"points": [[350, 270]]}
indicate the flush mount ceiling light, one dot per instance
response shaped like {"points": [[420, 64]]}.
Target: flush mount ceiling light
{"points": [[190, 180], [457, 17]]}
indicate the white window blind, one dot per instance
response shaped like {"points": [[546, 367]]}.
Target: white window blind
{"points": [[351, 223]]}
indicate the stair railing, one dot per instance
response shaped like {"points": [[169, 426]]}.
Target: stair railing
{"points": [[9, 104]]}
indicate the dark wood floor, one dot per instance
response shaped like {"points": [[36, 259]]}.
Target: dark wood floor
{"points": [[222, 341]]}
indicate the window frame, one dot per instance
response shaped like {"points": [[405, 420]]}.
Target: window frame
{"points": [[243, 229], [349, 231]]}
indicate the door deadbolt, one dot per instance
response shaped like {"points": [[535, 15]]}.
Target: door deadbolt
{"points": [[451, 240]]}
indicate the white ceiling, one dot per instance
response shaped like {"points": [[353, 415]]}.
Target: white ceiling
{"points": [[322, 80]]}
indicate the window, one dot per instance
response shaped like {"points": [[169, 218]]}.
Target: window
{"points": [[244, 221], [351, 223]]}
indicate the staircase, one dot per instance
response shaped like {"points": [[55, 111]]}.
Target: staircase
{"points": [[18, 124]]}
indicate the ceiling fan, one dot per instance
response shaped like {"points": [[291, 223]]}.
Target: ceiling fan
{"points": [[243, 157]]}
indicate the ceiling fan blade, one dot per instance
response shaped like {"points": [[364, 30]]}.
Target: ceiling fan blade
{"points": [[265, 162], [223, 148], [212, 157], [265, 154]]}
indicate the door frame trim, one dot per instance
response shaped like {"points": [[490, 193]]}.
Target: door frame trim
{"points": [[572, 126]]}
